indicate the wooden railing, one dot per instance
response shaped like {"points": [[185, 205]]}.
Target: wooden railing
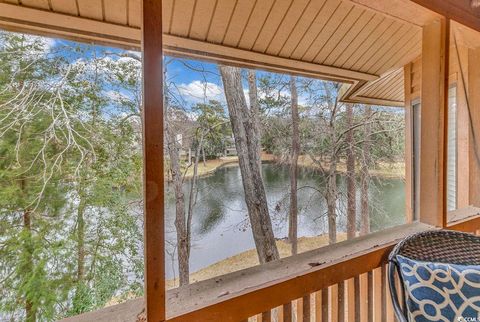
{"points": [[365, 297], [342, 282], [335, 283]]}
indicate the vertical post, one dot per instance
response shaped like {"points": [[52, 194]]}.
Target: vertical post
{"points": [[473, 125], [463, 128], [409, 184], [435, 62], [153, 160]]}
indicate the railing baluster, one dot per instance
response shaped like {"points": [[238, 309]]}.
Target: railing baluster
{"points": [[279, 313], [333, 303], [389, 306], [363, 298], [383, 278], [370, 296], [350, 297], [377, 295], [317, 306], [299, 309]]}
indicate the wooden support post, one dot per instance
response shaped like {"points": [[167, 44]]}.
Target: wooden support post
{"points": [[153, 160], [459, 73], [435, 58], [474, 126]]}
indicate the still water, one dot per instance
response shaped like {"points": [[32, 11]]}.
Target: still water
{"points": [[220, 227]]}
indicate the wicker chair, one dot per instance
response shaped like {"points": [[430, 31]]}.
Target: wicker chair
{"points": [[439, 246]]}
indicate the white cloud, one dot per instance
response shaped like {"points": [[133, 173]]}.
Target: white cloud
{"points": [[198, 91]]}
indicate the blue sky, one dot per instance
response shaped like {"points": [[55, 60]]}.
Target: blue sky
{"points": [[194, 81], [192, 78]]}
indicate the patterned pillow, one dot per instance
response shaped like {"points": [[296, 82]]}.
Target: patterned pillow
{"points": [[441, 292]]}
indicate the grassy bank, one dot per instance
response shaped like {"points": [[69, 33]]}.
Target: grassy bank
{"points": [[249, 258], [211, 165], [383, 169]]}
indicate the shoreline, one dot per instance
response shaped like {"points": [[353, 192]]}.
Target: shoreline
{"points": [[249, 258], [394, 170]]}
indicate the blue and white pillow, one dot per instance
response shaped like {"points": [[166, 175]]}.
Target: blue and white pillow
{"points": [[441, 292]]}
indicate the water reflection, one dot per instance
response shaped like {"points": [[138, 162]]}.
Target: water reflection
{"points": [[220, 223]]}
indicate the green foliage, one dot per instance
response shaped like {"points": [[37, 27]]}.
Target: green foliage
{"points": [[70, 179], [213, 122]]}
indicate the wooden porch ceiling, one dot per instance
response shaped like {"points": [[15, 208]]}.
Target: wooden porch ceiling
{"points": [[342, 40]]}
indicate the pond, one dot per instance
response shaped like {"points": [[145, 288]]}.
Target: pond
{"points": [[220, 227]]}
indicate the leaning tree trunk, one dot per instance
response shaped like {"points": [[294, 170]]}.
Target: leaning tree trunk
{"points": [[351, 186], [246, 143], [183, 243], [293, 216], [365, 177], [255, 110]]}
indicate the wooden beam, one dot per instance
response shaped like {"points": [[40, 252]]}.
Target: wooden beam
{"points": [[474, 126], [401, 10], [154, 239], [35, 21], [23, 19], [411, 11], [458, 10], [435, 56], [178, 46]]}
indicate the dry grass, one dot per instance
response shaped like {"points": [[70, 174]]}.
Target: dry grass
{"points": [[211, 165], [249, 258], [384, 169]]}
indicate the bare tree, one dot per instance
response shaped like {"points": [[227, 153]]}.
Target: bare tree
{"points": [[351, 177], [255, 109], [365, 175], [246, 143], [330, 109], [295, 151], [183, 242]]}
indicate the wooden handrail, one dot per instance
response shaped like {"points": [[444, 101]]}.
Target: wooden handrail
{"points": [[239, 295]]}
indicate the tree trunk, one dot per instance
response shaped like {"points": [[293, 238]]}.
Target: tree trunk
{"points": [[293, 216], [255, 110], [351, 186], [246, 143], [192, 200], [81, 239], [332, 202], [180, 220], [365, 177], [30, 310], [203, 157]]}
